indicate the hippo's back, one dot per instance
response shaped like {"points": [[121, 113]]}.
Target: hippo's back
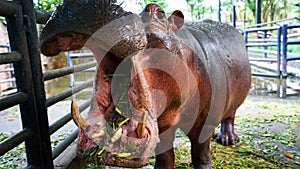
{"points": [[221, 49]]}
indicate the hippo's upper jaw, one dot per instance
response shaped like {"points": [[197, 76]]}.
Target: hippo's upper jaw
{"points": [[74, 22]]}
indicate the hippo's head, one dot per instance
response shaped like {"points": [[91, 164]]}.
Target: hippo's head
{"points": [[122, 125], [161, 30]]}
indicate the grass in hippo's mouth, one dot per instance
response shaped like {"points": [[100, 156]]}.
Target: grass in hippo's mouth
{"points": [[121, 113]]}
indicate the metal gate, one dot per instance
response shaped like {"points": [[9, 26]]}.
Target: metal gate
{"points": [[30, 96]]}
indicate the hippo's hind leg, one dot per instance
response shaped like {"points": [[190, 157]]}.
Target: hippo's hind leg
{"points": [[227, 135], [201, 154]]}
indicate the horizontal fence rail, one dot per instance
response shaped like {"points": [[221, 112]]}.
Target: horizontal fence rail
{"points": [[259, 39], [253, 41], [65, 119], [15, 140], [7, 9], [10, 57], [69, 92], [12, 100], [51, 74], [64, 144]]}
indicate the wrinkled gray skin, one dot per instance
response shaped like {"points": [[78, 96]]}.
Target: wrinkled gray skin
{"points": [[213, 52]]}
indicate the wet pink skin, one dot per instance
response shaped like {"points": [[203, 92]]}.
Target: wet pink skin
{"points": [[183, 79]]}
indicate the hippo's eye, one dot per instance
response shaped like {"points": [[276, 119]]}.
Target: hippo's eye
{"points": [[160, 15]]}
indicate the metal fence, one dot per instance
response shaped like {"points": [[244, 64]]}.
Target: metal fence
{"points": [[7, 78], [30, 96], [261, 38]]}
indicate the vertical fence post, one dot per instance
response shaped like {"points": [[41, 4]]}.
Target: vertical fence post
{"points": [[246, 39], [234, 15], [70, 64], [258, 11], [265, 47], [18, 42], [38, 84], [284, 50], [278, 73]]}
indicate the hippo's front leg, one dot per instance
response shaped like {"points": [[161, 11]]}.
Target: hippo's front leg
{"points": [[227, 135], [164, 151], [201, 154]]}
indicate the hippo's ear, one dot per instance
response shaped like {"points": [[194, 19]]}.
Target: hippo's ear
{"points": [[176, 20]]}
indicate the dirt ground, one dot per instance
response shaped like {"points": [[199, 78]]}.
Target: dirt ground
{"points": [[272, 126]]}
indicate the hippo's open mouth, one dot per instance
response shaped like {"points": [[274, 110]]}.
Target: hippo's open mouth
{"points": [[121, 127]]}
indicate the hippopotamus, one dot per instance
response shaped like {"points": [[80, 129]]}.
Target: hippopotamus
{"points": [[154, 75]]}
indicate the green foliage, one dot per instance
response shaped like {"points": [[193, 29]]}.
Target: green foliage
{"points": [[197, 8], [159, 2], [271, 9], [47, 5], [14, 158]]}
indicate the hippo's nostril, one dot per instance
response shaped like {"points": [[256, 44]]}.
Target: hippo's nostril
{"points": [[160, 15]]}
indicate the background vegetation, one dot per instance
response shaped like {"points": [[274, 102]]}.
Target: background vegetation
{"points": [[208, 9]]}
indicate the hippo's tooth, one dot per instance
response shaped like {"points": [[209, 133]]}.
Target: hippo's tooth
{"points": [[99, 134], [117, 135], [141, 125], [78, 119]]}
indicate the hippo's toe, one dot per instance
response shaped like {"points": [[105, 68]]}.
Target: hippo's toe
{"points": [[227, 139]]}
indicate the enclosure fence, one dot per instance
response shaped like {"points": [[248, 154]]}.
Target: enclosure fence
{"points": [[21, 21], [260, 39]]}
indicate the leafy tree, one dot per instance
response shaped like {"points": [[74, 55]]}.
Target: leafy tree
{"points": [[196, 8], [272, 9], [161, 3], [47, 5]]}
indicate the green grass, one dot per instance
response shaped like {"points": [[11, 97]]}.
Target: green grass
{"points": [[267, 138]]}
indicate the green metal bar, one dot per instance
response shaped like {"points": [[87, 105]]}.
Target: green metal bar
{"points": [[7, 9], [29, 15], [15, 140], [12, 100], [10, 57]]}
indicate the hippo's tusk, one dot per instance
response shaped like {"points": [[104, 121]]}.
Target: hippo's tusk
{"points": [[141, 125], [78, 119], [145, 87]]}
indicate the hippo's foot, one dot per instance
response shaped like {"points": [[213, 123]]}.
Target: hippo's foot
{"points": [[227, 135], [227, 139]]}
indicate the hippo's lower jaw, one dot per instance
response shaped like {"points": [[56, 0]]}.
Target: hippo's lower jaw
{"points": [[121, 129]]}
